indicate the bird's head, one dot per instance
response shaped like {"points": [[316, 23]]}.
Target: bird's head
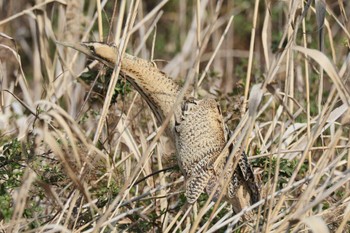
{"points": [[107, 54]]}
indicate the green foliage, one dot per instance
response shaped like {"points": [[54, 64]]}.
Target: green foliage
{"points": [[13, 161], [286, 169], [122, 87], [52, 174], [11, 172], [10, 165], [105, 193], [6, 204]]}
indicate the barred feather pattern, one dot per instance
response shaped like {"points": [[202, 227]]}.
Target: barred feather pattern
{"points": [[201, 135]]}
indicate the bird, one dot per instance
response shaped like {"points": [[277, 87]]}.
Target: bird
{"points": [[201, 136], [156, 88], [197, 128]]}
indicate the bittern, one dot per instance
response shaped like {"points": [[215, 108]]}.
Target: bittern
{"points": [[197, 128]]}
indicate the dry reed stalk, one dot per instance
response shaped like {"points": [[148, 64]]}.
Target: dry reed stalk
{"points": [[90, 159]]}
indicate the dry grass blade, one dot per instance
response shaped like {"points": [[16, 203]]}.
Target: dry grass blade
{"points": [[316, 224], [326, 64], [251, 50], [28, 11], [215, 52], [114, 78], [21, 196], [21, 79], [149, 16], [80, 150]]}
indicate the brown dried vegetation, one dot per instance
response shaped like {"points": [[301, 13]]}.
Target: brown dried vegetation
{"points": [[75, 157]]}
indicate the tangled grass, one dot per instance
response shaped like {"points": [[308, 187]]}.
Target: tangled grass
{"points": [[76, 157]]}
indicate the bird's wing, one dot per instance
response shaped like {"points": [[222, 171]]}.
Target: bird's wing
{"points": [[243, 175], [196, 185], [249, 178]]}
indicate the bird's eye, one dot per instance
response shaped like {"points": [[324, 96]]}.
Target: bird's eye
{"points": [[92, 48]]}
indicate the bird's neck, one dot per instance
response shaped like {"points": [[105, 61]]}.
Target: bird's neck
{"points": [[156, 87]]}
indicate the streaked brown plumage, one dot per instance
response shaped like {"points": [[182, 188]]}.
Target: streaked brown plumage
{"points": [[197, 128], [201, 135], [200, 138], [154, 86]]}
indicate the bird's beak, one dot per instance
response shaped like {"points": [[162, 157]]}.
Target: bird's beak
{"points": [[80, 47], [102, 53]]}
